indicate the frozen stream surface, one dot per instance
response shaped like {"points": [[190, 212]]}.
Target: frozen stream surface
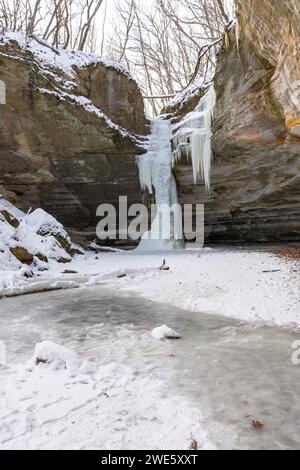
{"points": [[236, 371]]}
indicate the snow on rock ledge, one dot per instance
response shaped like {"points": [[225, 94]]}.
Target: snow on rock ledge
{"points": [[65, 60], [31, 239], [80, 78]]}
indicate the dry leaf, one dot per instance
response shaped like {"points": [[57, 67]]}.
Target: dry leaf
{"points": [[256, 424]]}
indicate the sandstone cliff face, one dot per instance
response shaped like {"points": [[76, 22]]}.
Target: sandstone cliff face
{"points": [[256, 133], [57, 150]]}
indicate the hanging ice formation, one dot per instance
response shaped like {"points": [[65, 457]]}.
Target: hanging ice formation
{"points": [[193, 138], [155, 171]]}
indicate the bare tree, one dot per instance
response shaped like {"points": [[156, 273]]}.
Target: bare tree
{"points": [[33, 17], [66, 23], [168, 44], [91, 9]]}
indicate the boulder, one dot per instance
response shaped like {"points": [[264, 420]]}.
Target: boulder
{"points": [[22, 255]]}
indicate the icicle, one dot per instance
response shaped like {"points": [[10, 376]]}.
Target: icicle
{"points": [[145, 164], [193, 138], [197, 142], [227, 40], [237, 34]]}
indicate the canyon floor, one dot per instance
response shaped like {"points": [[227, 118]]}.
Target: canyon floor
{"points": [[238, 313], [251, 284]]}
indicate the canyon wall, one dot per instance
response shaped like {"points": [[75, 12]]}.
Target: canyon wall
{"points": [[68, 132], [256, 133]]}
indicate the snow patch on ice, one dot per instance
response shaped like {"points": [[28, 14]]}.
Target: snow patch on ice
{"points": [[55, 356], [164, 332]]}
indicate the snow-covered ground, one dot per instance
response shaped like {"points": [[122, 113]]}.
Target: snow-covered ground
{"points": [[90, 406], [248, 285]]}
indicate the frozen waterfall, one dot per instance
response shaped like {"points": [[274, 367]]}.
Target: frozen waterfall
{"points": [[193, 138], [155, 170]]}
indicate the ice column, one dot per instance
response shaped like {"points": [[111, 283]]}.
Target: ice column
{"points": [[155, 170]]}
